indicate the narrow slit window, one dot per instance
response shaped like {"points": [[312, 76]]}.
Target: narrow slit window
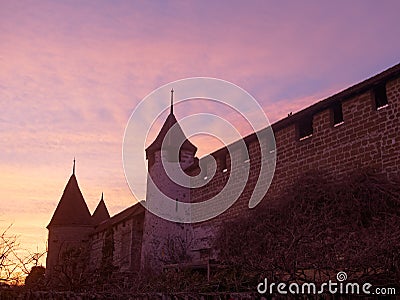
{"points": [[337, 114], [246, 154], [204, 172], [305, 128], [380, 96], [203, 167], [222, 163]]}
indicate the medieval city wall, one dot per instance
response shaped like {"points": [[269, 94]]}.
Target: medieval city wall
{"points": [[364, 133], [126, 237], [354, 129], [62, 238]]}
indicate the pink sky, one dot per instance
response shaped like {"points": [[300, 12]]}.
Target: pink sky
{"points": [[71, 72]]}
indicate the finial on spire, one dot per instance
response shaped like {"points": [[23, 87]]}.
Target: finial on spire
{"points": [[172, 102], [73, 168], [102, 196]]}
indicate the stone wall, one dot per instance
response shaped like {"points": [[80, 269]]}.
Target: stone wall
{"points": [[161, 236], [358, 135], [62, 238], [127, 237]]}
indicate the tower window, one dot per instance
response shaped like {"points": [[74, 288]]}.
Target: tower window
{"points": [[172, 154], [222, 163], [203, 167], [380, 96], [305, 128], [246, 154], [337, 113]]}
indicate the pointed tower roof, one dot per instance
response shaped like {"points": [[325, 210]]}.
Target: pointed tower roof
{"points": [[172, 138], [72, 208], [100, 213]]}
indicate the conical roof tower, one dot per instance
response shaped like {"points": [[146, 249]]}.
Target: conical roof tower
{"points": [[172, 137], [100, 213], [72, 209]]}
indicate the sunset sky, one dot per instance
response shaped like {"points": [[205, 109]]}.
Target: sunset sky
{"points": [[71, 73]]}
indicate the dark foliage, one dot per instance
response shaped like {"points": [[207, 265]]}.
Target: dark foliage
{"points": [[107, 267], [71, 272], [36, 278], [320, 229], [317, 230]]}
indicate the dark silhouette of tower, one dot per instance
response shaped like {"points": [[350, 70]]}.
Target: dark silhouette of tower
{"points": [[171, 149], [70, 225]]}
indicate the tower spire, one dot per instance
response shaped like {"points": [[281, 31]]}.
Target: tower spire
{"points": [[102, 196], [172, 102], [73, 168]]}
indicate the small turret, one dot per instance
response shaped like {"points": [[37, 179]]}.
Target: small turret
{"points": [[72, 208], [100, 213], [172, 135]]}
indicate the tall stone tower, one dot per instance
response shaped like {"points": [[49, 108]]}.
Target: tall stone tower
{"points": [[170, 154], [70, 225]]}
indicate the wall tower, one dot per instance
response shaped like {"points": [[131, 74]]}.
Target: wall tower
{"points": [[70, 225], [171, 151]]}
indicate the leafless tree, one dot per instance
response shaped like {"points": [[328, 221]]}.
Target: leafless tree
{"points": [[175, 249], [15, 262], [9, 267], [71, 271]]}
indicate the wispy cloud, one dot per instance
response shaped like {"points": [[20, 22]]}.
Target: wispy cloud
{"points": [[71, 72]]}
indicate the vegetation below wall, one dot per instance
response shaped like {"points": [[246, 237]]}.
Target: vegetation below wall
{"points": [[320, 229]]}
